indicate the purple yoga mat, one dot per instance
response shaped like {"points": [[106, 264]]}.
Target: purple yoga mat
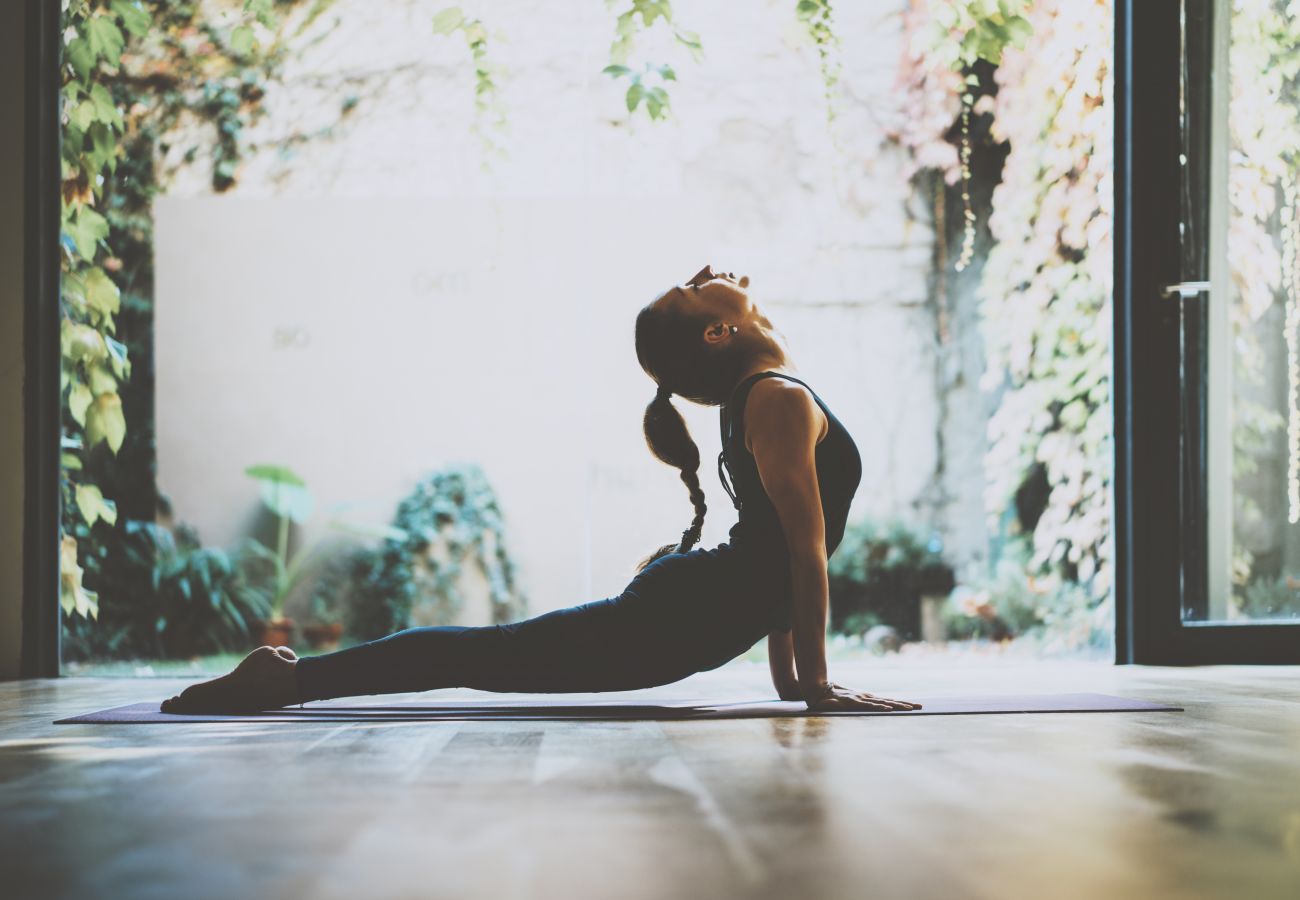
{"points": [[541, 710]]}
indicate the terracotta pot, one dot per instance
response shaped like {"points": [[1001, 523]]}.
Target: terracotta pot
{"points": [[323, 636], [276, 633]]}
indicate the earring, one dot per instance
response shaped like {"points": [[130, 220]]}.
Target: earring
{"points": [[734, 329]]}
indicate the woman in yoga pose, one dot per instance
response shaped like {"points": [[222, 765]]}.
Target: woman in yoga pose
{"points": [[794, 469]]}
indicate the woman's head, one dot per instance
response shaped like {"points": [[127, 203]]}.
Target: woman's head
{"points": [[697, 339]]}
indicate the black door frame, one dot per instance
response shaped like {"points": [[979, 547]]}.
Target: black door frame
{"points": [[41, 349], [1154, 510]]}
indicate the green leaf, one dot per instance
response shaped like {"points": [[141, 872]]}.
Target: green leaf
{"points": [[87, 230], [262, 10], [105, 109], [105, 422], [667, 73], [634, 95], [101, 293], [1020, 31], [79, 399], [73, 597], [79, 56], [82, 114], [616, 71], [104, 149], [448, 20], [117, 356], [85, 344], [105, 39], [90, 501], [277, 474], [241, 40], [101, 379], [134, 18], [70, 461]]}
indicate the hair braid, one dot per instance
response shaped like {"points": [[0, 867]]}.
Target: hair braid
{"points": [[670, 441]]}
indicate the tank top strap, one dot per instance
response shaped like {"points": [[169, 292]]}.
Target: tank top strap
{"points": [[726, 422]]}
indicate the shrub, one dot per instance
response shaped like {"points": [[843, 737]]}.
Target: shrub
{"points": [[879, 573], [166, 596]]}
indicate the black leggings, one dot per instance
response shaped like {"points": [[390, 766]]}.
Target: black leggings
{"points": [[683, 613]]}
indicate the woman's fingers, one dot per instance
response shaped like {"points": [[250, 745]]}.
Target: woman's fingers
{"points": [[888, 703]]}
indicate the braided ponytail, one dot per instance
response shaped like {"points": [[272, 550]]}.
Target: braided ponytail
{"points": [[670, 441]]}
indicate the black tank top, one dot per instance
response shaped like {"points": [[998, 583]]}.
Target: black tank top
{"points": [[757, 534]]}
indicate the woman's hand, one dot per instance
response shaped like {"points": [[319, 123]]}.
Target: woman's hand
{"points": [[832, 697]]}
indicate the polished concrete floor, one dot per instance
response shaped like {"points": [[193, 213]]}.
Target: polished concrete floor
{"points": [[1203, 803]]}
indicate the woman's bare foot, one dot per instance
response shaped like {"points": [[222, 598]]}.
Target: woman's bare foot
{"points": [[264, 679]]}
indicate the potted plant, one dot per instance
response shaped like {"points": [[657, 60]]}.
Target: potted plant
{"points": [[280, 573], [285, 495], [893, 572]]}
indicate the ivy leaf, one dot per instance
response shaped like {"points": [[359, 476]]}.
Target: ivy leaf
{"points": [[1019, 31], [105, 39], [101, 379], [241, 40], [73, 597], [79, 56], [70, 461], [102, 295], [105, 421], [133, 17], [448, 20], [87, 230], [105, 109], [85, 343], [117, 357], [616, 71], [82, 114], [90, 500], [79, 399], [262, 10], [103, 149], [667, 74]]}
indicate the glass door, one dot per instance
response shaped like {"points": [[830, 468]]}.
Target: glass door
{"points": [[1209, 294]]}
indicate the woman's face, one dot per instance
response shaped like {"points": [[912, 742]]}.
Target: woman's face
{"points": [[719, 296]]}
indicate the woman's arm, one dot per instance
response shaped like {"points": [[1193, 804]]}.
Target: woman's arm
{"points": [[782, 426], [780, 660]]}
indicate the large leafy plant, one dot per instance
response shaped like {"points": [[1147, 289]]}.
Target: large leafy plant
{"points": [[449, 519]]}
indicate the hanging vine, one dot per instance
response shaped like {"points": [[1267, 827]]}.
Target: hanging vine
{"points": [[1045, 285], [646, 83], [490, 112], [957, 36], [133, 72], [817, 20]]}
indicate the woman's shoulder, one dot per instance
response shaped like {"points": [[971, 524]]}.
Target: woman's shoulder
{"points": [[783, 404]]}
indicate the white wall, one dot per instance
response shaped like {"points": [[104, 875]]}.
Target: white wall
{"points": [[446, 313]]}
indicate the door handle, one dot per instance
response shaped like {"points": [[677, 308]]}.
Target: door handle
{"points": [[1184, 289]]}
